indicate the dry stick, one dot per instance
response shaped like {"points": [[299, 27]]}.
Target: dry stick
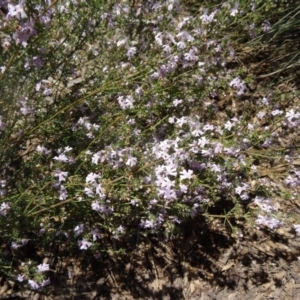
{"points": [[278, 71], [47, 208], [75, 102], [7, 66]]}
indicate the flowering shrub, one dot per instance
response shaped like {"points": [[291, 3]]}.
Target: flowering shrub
{"points": [[111, 124]]}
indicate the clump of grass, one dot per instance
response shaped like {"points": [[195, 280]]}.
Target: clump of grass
{"points": [[121, 118]]}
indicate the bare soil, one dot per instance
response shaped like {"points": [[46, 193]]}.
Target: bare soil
{"points": [[205, 264]]}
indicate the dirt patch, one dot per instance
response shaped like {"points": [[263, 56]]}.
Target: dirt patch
{"points": [[205, 264]]}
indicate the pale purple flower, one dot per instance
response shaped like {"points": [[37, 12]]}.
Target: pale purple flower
{"points": [[63, 194], [252, 31], [218, 148], [234, 12], [126, 102], [175, 219], [250, 127], [45, 282], [203, 141], [183, 188], [88, 191], [16, 11], [183, 22], [153, 202], [164, 181], [206, 19], [96, 234], [230, 123], [33, 284], [214, 168], [22, 35], [78, 229], [35, 61], [167, 192], [292, 181], [42, 268], [42, 150], [297, 228], [159, 38], [208, 152], [291, 115], [186, 174], [101, 208], [268, 221], [84, 244], [231, 151], [239, 85], [176, 102], [264, 204], [147, 224], [171, 169], [20, 278], [4, 208], [185, 36], [67, 149], [208, 127], [197, 131], [253, 6], [131, 161], [244, 196], [61, 158], [231, 52], [91, 177], [261, 114], [167, 49], [26, 110], [61, 175], [181, 45], [267, 142], [121, 42], [277, 112], [2, 124], [134, 202], [191, 56], [267, 26], [121, 229], [131, 52], [100, 191], [241, 188]]}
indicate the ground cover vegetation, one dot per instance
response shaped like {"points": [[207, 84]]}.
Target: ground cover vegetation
{"points": [[126, 119]]}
